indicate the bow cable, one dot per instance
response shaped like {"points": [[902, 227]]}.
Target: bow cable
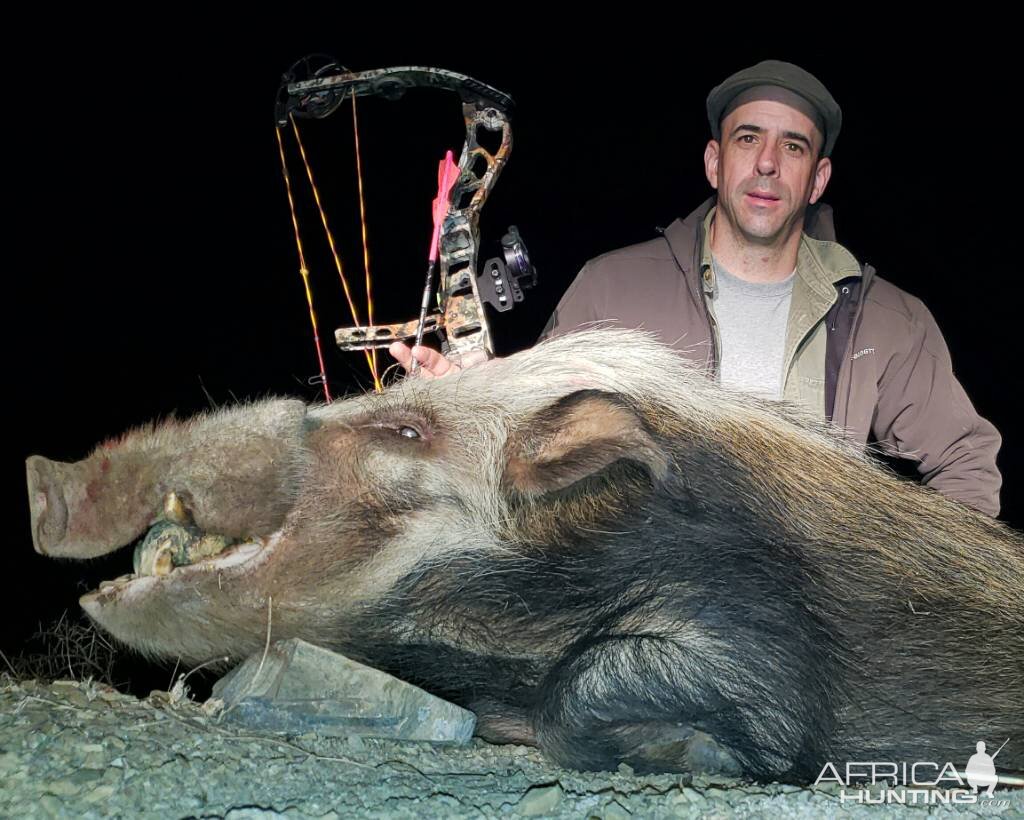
{"points": [[303, 270], [334, 250], [366, 246]]}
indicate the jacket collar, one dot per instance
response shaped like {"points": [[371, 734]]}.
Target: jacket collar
{"points": [[820, 257]]}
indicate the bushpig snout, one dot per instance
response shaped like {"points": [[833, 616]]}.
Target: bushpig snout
{"points": [[229, 472], [47, 507], [89, 507]]}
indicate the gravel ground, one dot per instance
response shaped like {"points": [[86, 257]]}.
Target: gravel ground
{"points": [[84, 750]]}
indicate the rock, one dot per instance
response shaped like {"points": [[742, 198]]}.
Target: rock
{"points": [[52, 806], [615, 811], [60, 788], [9, 763], [85, 777], [70, 692], [539, 800], [100, 794], [299, 687], [693, 796]]}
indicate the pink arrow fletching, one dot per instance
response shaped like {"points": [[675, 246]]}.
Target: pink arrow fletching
{"points": [[447, 174]]}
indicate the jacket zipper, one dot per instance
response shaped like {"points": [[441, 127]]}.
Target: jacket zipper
{"points": [[712, 325]]}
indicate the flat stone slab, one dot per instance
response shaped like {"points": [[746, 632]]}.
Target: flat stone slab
{"points": [[304, 688]]}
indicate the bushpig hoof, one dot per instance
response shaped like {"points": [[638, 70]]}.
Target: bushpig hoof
{"points": [[48, 510], [651, 748]]}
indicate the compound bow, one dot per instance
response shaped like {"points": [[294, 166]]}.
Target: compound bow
{"points": [[459, 318]]}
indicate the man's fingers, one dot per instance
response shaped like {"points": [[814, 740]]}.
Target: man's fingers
{"points": [[401, 353], [433, 363]]}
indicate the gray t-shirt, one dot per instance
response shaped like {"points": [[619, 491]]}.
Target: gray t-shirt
{"points": [[751, 320]]}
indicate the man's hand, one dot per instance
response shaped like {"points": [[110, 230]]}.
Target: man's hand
{"points": [[432, 364]]}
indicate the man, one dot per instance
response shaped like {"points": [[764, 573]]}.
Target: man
{"points": [[753, 287]]}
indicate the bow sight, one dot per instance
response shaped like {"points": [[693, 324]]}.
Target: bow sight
{"points": [[316, 86], [501, 284]]}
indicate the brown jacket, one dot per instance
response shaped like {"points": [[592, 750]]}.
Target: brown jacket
{"points": [[859, 350]]}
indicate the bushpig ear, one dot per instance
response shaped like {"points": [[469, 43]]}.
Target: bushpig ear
{"points": [[578, 437]]}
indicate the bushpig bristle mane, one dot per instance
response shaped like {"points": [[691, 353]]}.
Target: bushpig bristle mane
{"points": [[801, 470]]}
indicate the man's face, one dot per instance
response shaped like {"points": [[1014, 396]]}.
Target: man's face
{"points": [[766, 170]]}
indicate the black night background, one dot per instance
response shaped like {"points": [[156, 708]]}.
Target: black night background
{"points": [[158, 273]]}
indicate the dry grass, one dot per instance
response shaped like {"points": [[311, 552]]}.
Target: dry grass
{"points": [[66, 649]]}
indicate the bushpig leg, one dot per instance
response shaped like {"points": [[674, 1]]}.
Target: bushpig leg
{"points": [[649, 701], [608, 704]]}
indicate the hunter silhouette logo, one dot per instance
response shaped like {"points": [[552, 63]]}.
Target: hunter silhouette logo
{"points": [[981, 769], [920, 783]]}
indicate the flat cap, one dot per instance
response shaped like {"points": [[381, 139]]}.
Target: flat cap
{"points": [[780, 75]]}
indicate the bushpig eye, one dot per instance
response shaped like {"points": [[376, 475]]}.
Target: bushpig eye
{"points": [[407, 425]]}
